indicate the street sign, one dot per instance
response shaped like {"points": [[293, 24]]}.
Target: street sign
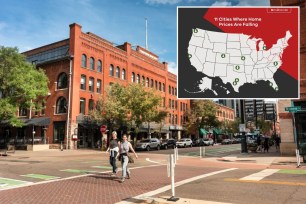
{"points": [[293, 109], [241, 127]]}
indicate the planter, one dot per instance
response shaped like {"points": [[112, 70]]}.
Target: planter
{"points": [[252, 147]]}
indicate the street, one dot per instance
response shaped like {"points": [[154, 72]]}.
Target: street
{"points": [[82, 176]]}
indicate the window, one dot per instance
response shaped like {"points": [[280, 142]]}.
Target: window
{"points": [[84, 61], [99, 66], [163, 87], [133, 77], [143, 80], [172, 90], [169, 118], [82, 105], [111, 70], [152, 83], [138, 78], [91, 84], [172, 119], [62, 81], [181, 121], [181, 106], [92, 63], [61, 105], [156, 85], [169, 88], [147, 82], [23, 111], [99, 86], [175, 119], [175, 105], [175, 91], [117, 72], [123, 77], [169, 103], [159, 86], [91, 104], [83, 82], [43, 108]]}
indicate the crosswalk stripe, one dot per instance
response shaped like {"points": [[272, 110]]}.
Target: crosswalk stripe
{"points": [[259, 175]]}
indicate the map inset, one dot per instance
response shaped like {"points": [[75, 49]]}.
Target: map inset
{"points": [[237, 61]]}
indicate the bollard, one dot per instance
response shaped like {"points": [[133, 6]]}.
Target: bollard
{"points": [[298, 158], [168, 165], [171, 170], [203, 151], [200, 152], [62, 148]]}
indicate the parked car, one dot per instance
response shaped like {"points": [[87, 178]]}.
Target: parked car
{"points": [[226, 141], [184, 142], [208, 142], [198, 142], [148, 144], [169, 143]]}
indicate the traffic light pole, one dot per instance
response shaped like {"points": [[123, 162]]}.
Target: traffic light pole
{"points": [[244, 148]]}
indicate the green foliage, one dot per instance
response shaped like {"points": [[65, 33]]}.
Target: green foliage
{"points": [[20, 84], [233, 126], [264, 126], [131, 105], [202, 115]]}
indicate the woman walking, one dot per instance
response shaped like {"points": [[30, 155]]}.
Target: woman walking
{"points": [[124, 149], [113, 149]]}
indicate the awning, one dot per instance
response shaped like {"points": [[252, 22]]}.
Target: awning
{"points": [[203, 131], [41, 121], [217, 131]]}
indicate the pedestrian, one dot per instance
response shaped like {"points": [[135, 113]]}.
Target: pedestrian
{"points": [[277, 142], [113, 150], [125, 147], [259, 148], [266, 145]]}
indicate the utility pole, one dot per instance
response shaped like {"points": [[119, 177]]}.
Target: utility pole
{"points": [[244, 148]]}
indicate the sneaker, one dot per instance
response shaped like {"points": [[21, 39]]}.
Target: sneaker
{"points": [[122, 180], [112, 175]]}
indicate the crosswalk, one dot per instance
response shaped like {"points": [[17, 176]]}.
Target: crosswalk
{"points": [[215, 152]]}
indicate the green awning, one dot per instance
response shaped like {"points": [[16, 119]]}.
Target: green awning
{"points": [[203, 131], [217, 131]]}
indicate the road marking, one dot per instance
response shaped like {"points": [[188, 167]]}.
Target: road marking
{"points": [[60, 179], [41, 176], [78, 171], [155, 162], [291, 171], [6, 183], [260, 175], [168, 187], [102, 167], [267, 182]]}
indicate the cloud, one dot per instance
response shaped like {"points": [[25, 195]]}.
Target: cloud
{"points": [[222, 3], [172, 67], [162, 2]]}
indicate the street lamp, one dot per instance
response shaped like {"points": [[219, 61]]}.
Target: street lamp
{"points": [[33, 133]]}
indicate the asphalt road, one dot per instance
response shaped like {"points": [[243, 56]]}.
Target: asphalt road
{"points": [[210, 151]]}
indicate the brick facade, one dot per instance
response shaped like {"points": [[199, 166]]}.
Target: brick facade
{"points": [[138, 62]]}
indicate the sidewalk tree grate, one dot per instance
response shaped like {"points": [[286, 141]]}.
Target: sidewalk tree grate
{"points": [[291, 171], [79, 171], [41, 176]]}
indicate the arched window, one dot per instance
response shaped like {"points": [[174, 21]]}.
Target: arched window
{"points": [[84, 60], [152, 83], [147, 82], [61, 105], [83, 82], [138, 78], [92, 63], [117, 72], [123, 77], [99, 66], [163, 87], [62, 81], [169, 89], [159, 86], [111, 70], [143, 80], [91, 84], [133, 77], [156, 85]]}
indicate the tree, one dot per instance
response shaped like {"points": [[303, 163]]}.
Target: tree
{"points": [[233, 126], [264, 126], [202, 115], [21, 84]]}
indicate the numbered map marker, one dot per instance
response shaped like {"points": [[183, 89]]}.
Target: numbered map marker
{"points": [[195, 30]]}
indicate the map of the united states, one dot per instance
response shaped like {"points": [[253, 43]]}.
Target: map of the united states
{"points": [[235, 58]]}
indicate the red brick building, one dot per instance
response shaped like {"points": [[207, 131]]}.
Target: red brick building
{"points": [[81, 67], [294, 135]]}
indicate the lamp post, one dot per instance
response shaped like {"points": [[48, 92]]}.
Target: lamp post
{"points": [[33, 133]]}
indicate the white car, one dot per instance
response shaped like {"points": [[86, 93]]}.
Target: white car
{"points": [[185, 142], [208, 142]]}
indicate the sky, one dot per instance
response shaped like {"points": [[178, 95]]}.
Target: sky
{"points": [[28, 24]]}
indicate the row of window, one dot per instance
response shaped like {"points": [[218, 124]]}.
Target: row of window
{"points": [[92, 65], [172, 90], [174, 120], [61, 105], [119, 73], [173, 105], [24, 111], [225, 114], [91, 84]]}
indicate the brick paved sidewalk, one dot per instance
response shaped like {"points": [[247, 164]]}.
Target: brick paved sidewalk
{"points": [[98, 188]]}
